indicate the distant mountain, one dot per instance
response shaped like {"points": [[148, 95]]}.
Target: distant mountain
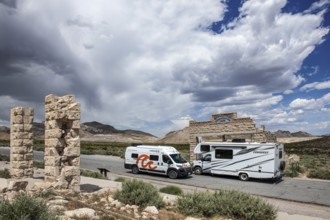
{"points": [[95, 127], [288, 134], [301, 134], [39, 130], [93, 131], [176, 137], [4, 133]]}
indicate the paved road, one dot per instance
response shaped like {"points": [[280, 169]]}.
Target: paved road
{"points": [[310, 191]]}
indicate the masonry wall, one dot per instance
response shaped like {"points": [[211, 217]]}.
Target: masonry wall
{"points": [[226, 127], [62, 142], [21, 142]]}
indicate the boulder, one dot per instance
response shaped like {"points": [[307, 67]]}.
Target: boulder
{"points": [[151, 210], [85, 213], [17, 185]]}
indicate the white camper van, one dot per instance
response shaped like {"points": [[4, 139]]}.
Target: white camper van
{"points": [[165, 160], [245, 160]]}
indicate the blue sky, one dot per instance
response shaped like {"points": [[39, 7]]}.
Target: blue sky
{"points": [[154, 65]]}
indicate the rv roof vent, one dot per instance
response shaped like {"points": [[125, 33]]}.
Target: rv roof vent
{"points": [[239, 140]]}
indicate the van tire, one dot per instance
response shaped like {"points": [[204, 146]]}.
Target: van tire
{"points": [[198, 170], [282, 165], [135, 169], [243, 176], [172, 174]]}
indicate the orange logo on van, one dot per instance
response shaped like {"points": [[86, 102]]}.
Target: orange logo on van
{"points": [[144, 158]]}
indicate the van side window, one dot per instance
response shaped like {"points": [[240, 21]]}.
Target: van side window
{"points": [[154, 157], [205, 148], [135, 156], [224, 154], [280, 155]]}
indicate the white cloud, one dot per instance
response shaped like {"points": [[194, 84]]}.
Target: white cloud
{"points": [[136, 63], [316, 86], [309, 104], [287, 92]]}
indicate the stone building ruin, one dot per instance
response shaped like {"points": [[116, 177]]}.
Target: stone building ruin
{"points": [[62, 142], [227, 127], [21, 142]]}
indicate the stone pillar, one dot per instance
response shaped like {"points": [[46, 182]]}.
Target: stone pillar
{"points": [[62, 142], [21, 142]]}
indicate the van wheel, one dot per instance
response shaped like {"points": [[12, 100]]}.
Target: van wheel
{"points": [[198, 171], [243, 176], [173, 174], [282, 165], [135, 170]]}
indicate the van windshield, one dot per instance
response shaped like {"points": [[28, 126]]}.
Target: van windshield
{"points": [[178, 158]]}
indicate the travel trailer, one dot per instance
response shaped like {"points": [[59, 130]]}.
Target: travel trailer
{"points": [[165, 160], [243, 159]]}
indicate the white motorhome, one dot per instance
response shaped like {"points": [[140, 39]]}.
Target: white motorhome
{"points": [[243, 159], [165, 160]]}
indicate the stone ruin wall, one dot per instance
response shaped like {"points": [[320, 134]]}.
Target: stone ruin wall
{"points": [[225, 127], [62, 142], [21, 142]]}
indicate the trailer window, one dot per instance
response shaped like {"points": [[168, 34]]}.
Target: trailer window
{"points": [[280, 155], [224, 154], [205, 148], [154, 157], [135, 155]]}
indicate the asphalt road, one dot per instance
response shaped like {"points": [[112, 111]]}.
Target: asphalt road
{"points": [[309, 191]]}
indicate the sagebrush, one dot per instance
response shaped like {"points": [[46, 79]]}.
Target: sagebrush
{"points": [[24, 207], [5, 174], [137, 192], [92, 174], [173, 190], [229, 203]]}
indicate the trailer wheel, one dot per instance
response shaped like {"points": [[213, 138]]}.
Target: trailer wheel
{"points": [[173, 174], [282, 165], [198, 171], [135, 170], [243, 176]]}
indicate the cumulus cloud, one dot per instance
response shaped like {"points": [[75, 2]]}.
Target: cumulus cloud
{"points": [[310, 103], [316, 86], [132, 64]]}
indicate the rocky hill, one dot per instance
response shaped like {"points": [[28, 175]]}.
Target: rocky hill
{"points": [[98, 132], [176, 137], [288, 134], [94, 132]]}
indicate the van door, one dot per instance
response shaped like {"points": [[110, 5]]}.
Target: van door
{"points": [[156, 164], [164, 163]]}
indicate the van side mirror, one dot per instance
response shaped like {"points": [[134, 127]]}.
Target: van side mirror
{"points": [[169, 162]]}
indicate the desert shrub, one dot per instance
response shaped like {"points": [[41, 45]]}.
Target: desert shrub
{"points": [[201, 204], [137, 192], [25, 207], [229, 203], [4, 158], [5, 174], [39, 164], [293, 169], [320, 174], [120, 179], [93, 174], [173, 190]]}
